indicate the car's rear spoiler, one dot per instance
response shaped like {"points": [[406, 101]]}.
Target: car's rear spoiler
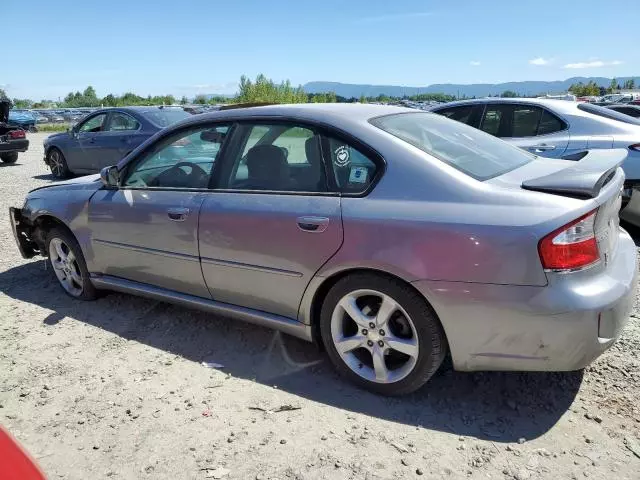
{"points": [[583, 179]]}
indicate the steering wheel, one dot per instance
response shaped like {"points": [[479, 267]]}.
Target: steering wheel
{"points": [[177, 177]]}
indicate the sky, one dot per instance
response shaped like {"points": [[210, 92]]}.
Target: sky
{"points": [[204, 46]]}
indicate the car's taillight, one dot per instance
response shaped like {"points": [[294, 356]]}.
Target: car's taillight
{"points": [[571, 246], [15, 134], [635, 147]]}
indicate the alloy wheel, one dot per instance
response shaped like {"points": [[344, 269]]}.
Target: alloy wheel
{"points": [[374, 336], [65, 266], [55, 161]]}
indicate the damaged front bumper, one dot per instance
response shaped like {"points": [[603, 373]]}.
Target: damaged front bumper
{"points": [[28, 249]]}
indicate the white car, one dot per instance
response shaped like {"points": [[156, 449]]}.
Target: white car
{"points": [[558, 129]]}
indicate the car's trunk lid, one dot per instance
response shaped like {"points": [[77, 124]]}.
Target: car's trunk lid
{"points": [[596, 179], [582, 179]]}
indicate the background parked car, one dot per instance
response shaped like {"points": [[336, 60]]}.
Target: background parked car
{"points": [[54, 117], [629, 109], [105, 137], [558, 129], [40, 118], [12, 137], [23, 119], [552, 128], [618, 98]]}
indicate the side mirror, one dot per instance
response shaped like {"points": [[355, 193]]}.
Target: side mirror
{"points": [[110, 176]]}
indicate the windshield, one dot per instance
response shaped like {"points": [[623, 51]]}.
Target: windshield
{"points": [[608, 113], [467, 149], [163, 117]]}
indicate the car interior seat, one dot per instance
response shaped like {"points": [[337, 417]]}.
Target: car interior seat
{"points": [[267, 169]]}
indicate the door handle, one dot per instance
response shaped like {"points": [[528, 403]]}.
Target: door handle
{"points": [[543, 148], [313, 224], [178, 214]]}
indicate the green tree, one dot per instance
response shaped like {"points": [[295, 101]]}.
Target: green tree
{"points": [[581, 90], [363, 99], [629, 84], [508, 94], [22, 103], [612, 86], [200, 100], [110, 101], [265, 90], [184, 100]]}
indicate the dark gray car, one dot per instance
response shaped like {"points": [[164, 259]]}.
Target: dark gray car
{"points": [[391, 236], [105, 137]]}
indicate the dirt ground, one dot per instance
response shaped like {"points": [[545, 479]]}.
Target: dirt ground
{"points": [[117, 388]]}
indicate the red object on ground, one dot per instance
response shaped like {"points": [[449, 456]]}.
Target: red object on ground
{"points": [[15, 462]]}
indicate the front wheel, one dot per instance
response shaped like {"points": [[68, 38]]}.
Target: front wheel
{"points": [[9, 157], [57, 164], [69, 266], [381, 334]]}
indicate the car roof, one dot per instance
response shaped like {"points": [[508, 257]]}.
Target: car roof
{"points": [[552, 103], [138, 109], [329, 112]]}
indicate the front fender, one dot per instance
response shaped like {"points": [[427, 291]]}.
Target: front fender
{"points": [[68, 206]]}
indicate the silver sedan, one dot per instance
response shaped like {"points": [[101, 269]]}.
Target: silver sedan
{"points": [[391, 236]]}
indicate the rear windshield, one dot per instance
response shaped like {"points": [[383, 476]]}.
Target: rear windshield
{"points": [[465, 148], [607, 113], [163, 117]]}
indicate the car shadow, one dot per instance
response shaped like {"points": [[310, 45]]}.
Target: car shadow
{"points": [[497, 406], [46, 176]]}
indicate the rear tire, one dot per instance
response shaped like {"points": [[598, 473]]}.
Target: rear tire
{"points": [[9, 157], [68, 264], [395, 345], [58, 164]]}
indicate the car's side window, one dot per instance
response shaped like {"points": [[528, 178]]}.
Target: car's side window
{"points": [[492, 119], [94, 124], [276, 157], [525, 120], [291, 140], [122, 122], [182, 160], [461, 114], [353, 170], [549, 123]]}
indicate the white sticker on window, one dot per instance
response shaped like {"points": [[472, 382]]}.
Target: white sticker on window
{"points": [[342, 156], [358, 175]]}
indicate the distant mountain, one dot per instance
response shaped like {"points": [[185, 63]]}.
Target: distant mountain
{"points": [[349, 90]]}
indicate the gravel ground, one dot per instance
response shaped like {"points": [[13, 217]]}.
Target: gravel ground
{"points": [[117, 388]]}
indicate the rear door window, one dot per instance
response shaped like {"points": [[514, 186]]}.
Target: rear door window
{"points": [[549, 123], [525, 121], [492, 119], [278, 157]]}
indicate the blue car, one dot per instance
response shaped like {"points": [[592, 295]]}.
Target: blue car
{"points": [[23, 119], [105, 137]]}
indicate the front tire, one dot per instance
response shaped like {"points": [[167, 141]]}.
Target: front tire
{"points": [[9, 157], [381, 334], [68, 264], [58, 164]]}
